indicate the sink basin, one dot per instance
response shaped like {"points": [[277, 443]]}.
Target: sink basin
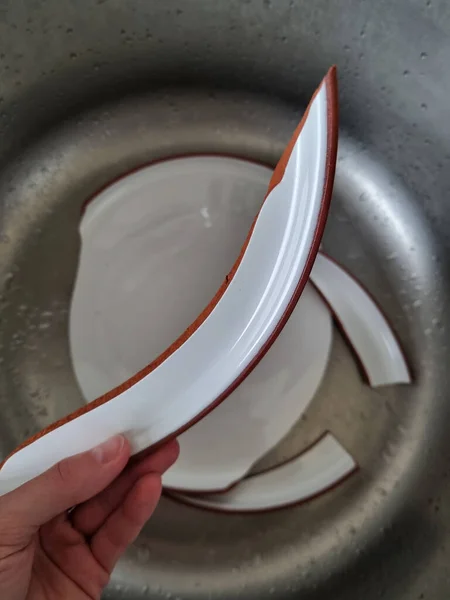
{"points": [[90, 90]]}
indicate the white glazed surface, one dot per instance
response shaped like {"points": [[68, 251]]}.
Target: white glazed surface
{"points": [[366, 328], [313, 472], [211, 359]]}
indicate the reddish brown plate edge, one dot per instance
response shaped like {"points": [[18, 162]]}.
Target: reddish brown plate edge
{"points": [[257, 511], [344, 332], [330, 81]]}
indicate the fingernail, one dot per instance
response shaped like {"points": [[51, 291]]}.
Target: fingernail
{"points": [[109, 450]]}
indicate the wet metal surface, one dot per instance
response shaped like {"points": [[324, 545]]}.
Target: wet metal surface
{"points": [[88, 91]]}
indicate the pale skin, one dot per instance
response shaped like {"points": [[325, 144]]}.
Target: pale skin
{"points": [[47, 553]]}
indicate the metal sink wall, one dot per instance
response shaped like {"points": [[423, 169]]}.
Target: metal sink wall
{"points": [[91, 89]]}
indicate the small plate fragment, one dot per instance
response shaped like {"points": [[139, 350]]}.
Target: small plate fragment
{"points": [[362, 322], [314, 472]]}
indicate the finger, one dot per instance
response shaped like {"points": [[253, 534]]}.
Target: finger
{"points": [[68, 483], [69, 552], [124, 525], [91, 515]]}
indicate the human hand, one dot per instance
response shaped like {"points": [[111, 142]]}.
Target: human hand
{"points": [[48, 554]]}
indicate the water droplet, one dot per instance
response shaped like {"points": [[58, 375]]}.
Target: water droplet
{"points": [[423, 55], [143, 555], [205, 214]]}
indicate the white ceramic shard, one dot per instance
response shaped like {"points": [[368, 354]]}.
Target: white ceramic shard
{"points": [[363, 323], [223, 345], [318, 469]]}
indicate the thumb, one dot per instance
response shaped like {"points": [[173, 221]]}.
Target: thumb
{"points": [[70, 482]]}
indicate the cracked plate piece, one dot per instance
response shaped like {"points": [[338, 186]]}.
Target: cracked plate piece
{"points": [[315, 471], [362, 322], [228, 339]]}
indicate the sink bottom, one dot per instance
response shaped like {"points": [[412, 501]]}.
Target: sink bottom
{"points": [[375, 229]]}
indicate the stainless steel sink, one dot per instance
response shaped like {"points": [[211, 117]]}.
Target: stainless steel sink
{"points": [[91, 89]]}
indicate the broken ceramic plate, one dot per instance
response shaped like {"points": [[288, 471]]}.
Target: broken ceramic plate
{"points": [[314, 472], [362, 322], [115, 326], [227, 340], [163, 243]]}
